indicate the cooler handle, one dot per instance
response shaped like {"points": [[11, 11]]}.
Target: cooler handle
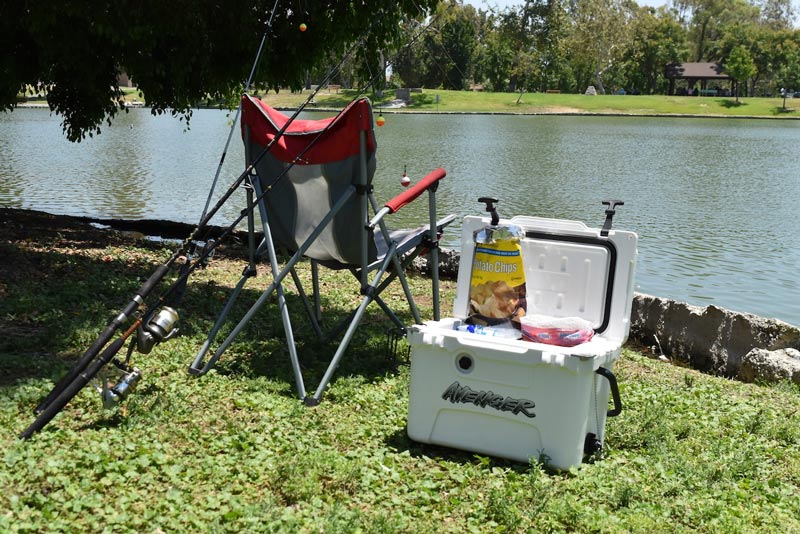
{"points": [[612, 381]]}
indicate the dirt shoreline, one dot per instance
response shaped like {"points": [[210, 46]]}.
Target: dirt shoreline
{"points": [[17, 223]]}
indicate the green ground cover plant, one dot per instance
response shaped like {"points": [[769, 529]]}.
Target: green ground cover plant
{"points": [[235, 451]]}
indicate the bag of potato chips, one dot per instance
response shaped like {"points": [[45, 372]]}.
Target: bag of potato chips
{"points": [[497, 285]]}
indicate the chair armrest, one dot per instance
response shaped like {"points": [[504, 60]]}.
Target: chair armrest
{"points": [[430, 180]]}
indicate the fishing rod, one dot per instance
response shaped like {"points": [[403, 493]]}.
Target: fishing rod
{"points": [[155, 327], [209, 249], [238, 111], [161, 271]]}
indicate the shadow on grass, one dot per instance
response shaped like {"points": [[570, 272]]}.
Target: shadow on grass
{"points": [[419, 100], [400, 441], [344, 97], [58, 296], [731, 104]]}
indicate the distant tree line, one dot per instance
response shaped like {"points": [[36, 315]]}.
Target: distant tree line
{"points": [[186, 52], [568, 45]]}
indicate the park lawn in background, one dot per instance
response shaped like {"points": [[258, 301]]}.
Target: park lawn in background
{"points": [[528, 103], [533, 103]]}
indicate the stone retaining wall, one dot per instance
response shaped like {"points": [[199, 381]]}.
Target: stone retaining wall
{"points": [[713, 339]]}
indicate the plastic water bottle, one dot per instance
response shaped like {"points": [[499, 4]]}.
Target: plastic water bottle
{"points": [[506, 333]]}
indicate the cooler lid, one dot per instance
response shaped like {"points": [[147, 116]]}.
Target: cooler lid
{"points": [[570, 271]]}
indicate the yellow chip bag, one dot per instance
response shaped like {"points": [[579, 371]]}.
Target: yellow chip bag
{"points": [[497, 285]]}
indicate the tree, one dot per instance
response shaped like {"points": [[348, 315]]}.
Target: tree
{"points": [[658, 40], [777, 14], [451, 46], [710, 19], [497, 60], [601, 35], [180, 52], [551, 43], [785, 61], [520, 27], [740, 66], [409, 64]]}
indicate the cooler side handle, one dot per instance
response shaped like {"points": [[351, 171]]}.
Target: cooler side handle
{"points": [[612, 382]]}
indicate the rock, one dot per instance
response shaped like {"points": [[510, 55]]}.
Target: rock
{"points": [[448, 263], [403, 94], [708, 338], [761, 365]]}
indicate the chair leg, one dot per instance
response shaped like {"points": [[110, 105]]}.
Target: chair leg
{"points": [[406, 289], [311, 310], [315, 290], [287, 328], [434, 251], [279, 275], [348, 335], [389, 313], [276, 285], [197, 368]]}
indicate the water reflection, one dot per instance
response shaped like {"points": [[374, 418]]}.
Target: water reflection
{"points": [[713, 201]]}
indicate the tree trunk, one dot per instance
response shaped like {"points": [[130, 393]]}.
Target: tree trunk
{"points": [[600, 86]]}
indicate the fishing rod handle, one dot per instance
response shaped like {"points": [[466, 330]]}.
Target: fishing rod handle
{"points": [[73, 388], [104, 337]]}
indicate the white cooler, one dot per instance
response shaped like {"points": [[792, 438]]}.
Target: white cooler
{"points": [[518, 399]]}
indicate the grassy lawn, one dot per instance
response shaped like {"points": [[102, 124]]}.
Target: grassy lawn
{"points": [[463, 101], [531, 103], [234, 451]]}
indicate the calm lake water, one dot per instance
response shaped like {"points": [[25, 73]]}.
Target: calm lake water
{"points": [[715, 202]]}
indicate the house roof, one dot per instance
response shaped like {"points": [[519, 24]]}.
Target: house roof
{"points": [[696, 70]]}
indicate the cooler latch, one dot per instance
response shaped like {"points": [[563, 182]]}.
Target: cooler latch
{"points": [[610, 211], [490, 202]]}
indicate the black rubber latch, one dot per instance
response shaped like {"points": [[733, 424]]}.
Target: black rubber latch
{"points": [[490, 202], [610, 211], [592, 445]]}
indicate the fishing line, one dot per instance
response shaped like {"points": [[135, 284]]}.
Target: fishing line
{"points": [[179, 293], [239, 109], [232, 188], [144, 291]]}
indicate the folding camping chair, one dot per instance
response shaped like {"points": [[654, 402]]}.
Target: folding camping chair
{"points": [[313, 190]]}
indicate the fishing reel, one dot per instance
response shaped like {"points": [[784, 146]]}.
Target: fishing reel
{"points": [[113, 392], [118, 379], [160, 327]]}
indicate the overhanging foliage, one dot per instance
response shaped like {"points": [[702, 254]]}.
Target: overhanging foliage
{"points": [[179, 53]]}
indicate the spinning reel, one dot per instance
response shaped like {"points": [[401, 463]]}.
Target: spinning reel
{"points": [[118, 382], [114, 392], [160, 327]]}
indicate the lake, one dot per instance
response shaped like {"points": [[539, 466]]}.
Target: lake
{"points": [[714, 201]]}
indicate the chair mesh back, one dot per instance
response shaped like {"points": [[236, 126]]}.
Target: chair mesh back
{"points": [[301, 199]]}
